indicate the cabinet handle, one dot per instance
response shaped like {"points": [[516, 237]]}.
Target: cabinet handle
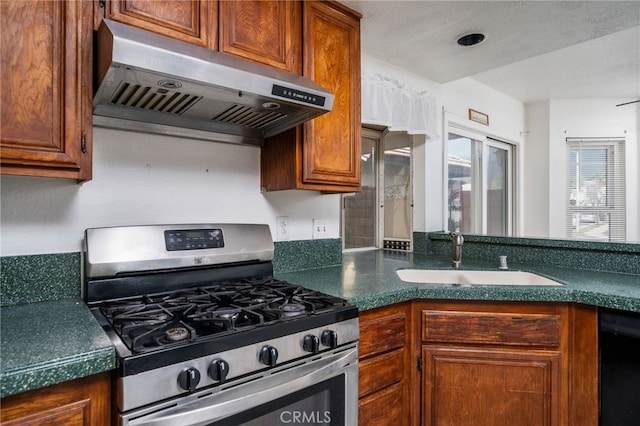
{"points": [[83, 142]]}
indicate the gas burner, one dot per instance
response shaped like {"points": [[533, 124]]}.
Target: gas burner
{"points": [[231, 316], [215, 313], [292, 310], [176, 334], [148, 338]]}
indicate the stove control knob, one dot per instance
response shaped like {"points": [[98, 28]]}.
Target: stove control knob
{"points": [[218, 370], [311, 343], [188, 379], [329, 338], [268, 355]]}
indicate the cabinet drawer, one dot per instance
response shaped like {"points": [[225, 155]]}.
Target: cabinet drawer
{"points": [[382, 334], [491, 328], [382, 408], [379, 372]]}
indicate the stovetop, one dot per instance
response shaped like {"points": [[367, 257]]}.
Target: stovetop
{"points": [[156, 330], [152, 322], [170, 294]]}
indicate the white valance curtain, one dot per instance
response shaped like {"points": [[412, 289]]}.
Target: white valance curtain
{"points": [[386, 102]]}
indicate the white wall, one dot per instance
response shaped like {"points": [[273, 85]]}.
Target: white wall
{"points": [[536, 182], [141, 179], [506, 115], [150, 179], [571, 118]]}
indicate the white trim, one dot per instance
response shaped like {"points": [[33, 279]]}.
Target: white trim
{"points": [[486, 138]]}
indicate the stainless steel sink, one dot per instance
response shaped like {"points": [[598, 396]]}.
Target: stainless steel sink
{"points": [[462, 277]]}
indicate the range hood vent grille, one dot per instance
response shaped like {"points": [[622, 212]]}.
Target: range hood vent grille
{"points": [[149, 98], [150, 83], [246, 116], [173, 102]]}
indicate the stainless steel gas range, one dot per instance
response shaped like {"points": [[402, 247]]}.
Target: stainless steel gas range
{"points": [[205, 335]]}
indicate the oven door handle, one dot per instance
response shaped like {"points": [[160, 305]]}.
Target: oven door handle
{"points": [[227, 402]]}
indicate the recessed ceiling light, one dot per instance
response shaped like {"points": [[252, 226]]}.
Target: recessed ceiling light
{"points": [[470, 39]]}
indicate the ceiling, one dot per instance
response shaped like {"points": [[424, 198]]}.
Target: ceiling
{"points": [[533, 50]]}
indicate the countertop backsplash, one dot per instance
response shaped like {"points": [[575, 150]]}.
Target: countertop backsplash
{"points": [[594, 255], [37, 278]]}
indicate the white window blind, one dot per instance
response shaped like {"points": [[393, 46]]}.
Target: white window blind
{"points": [[596, 190]]}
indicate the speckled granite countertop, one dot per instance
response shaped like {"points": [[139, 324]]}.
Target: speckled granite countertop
{"points": [[369, 280], [50, 342]]}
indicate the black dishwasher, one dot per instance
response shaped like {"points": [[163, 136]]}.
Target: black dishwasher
{"points": [[619, 368]]}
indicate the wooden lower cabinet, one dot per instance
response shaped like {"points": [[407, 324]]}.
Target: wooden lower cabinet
{"points": [[457, 363], [383, 407], [513, 364], [385, 356], [80, 402], [493, 387]]}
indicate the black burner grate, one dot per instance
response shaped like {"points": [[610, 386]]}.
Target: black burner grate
{"points": [[150, 322]]}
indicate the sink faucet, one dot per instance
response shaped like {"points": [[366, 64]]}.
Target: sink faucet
{"points": [[456, 240]]}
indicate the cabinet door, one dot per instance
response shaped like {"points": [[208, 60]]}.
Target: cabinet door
{"points": [[477, 387], [331, 52], [81, 402], [324, 153], [46, 88], [193, 21], [269, 32]]}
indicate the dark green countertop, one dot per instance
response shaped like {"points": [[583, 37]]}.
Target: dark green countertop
{"points": [[50, 342], [369, 280]]}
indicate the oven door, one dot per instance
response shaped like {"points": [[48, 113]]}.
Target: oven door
{"points": [[321, 390]]}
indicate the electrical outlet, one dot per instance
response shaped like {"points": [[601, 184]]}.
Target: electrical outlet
{"points": [[320, 229], [282, 228]]}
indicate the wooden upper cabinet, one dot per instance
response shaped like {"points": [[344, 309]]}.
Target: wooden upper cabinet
{"points": [[193, 21], [324, 154], [45, 61], [332, 146], [269, 32]]}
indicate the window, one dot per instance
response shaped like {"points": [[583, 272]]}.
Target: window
{"points": [[596, 190], [359, 223], [380, 215], [479, 184]]}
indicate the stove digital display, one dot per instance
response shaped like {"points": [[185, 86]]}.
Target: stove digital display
{"points": [[193, 239]]}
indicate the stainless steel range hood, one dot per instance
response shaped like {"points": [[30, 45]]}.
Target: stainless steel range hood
{"points": [[154, 84]]}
